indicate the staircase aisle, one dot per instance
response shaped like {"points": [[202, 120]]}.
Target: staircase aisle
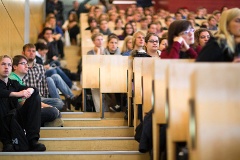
{"points": [[84, 135], [98, 141]]}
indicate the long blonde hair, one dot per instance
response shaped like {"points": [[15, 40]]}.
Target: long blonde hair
{"points": [[223, 33], [124, 47]]}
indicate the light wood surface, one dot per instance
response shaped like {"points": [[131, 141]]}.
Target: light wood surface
{"points": [[58, 132], [90, 144], [216, 107], [101, 155]]}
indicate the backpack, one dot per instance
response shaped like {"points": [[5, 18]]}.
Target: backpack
{"points": [[19, 139]]}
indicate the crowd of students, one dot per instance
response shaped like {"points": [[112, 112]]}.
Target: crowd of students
{"points": [[32, 87]]}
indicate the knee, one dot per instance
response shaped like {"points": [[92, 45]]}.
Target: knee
{"points": [[55, 77]]}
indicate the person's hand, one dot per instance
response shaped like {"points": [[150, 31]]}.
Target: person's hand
{"points": [[236, 59], [30, 90], [25, 94], [55, 58], [57, 36], [184, 46], [47, 66], [178, 39]]}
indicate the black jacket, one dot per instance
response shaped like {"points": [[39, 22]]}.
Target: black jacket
{"points": [[213, 52]]}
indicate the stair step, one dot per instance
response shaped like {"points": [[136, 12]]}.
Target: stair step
{"points": [[93, 122], [70, 155], [58, 132], [92, 115], [90, 144]]}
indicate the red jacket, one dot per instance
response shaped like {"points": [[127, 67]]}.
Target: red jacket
{"points": [[176, 53]]}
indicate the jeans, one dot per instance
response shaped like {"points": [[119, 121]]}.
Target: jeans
{"points": [[58, 71], [49, 114], [55, 82], [55, 102]]}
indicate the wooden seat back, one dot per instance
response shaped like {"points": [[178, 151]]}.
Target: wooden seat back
{"points": [[215, 108], [160, 98]]}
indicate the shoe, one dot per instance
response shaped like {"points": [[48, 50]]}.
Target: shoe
{"points": [[8, 148], [74, 87], [36, 146], [116, 108], [77, 102], [58, 122]]}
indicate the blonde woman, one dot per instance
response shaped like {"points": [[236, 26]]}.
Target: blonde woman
{"points": [[127, 46], [225, 47]]}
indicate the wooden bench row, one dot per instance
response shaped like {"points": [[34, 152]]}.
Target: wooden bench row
{"points": [[199, 102]]}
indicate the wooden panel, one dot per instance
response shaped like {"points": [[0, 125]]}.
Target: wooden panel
{"points": [[216, 110], [147, 74], [117, 155], [160, 114], [12, 27], [100, 144], [90, 71], [137, 70], [92, 115], [36, 19], [47, 132], [94, 123], [113, 74]]}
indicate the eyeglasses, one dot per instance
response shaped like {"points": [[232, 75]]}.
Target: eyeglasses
{"points": [[203, 37], [23, 63], [152, 41], [188, 31]]}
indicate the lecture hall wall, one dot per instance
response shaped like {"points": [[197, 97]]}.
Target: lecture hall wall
{"points": [[192, 5], [12, 24]]}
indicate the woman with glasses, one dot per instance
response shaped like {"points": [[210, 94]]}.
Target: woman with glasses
{"points": [[180, 37], [152, 44], [201, 37], [225, 46]]}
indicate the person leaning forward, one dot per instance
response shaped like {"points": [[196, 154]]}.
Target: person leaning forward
{"points": [[28, 115]]}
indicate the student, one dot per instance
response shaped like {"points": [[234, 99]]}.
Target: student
{"points": [[127, 31], [36, 77], [28, 115], [180, 37], [97, 40], [112, 45], [225, 47], [127, 46], [201, 37], [104, 29], [152, 45], [138, 42], [162, 44], [48, 113]]}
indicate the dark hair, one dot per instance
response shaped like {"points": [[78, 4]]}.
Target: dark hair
{"points": [[124, 31], [17, 59], [161, 39], [197, 35], [112, 36], [28, 45], [149, 25], [92, 29], [149, 35], [46, 29], [41, 46], [175, 28], [91, 19]]}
